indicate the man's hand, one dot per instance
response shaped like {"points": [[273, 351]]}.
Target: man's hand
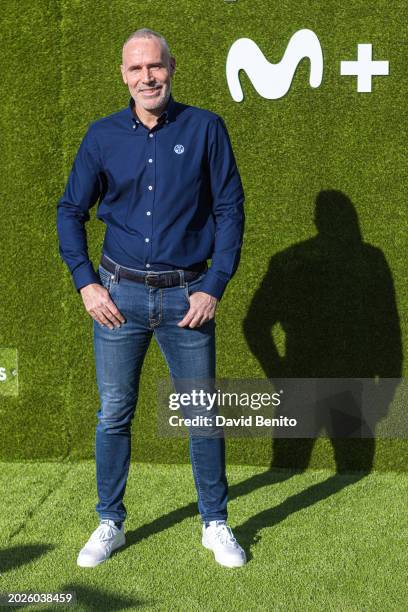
{"points": [[202, 309], [99, 305]]}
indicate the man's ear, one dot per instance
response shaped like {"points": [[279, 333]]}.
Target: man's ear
{"points": [[122, 70], [172, 65]]}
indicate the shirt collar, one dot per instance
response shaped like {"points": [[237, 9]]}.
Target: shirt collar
{"points": [[167, 115]]}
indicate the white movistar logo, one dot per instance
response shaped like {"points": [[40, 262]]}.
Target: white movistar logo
{"points": [[272, 81]]}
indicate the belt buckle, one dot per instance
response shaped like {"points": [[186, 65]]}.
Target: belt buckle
{"points": [[152, 280]]}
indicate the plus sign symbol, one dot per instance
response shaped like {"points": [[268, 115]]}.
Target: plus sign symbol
{"points": [[364, 68]]}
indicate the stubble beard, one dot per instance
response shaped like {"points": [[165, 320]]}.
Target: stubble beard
{"points": [[156, 103]]}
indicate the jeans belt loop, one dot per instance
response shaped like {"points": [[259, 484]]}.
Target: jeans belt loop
{"points": [[116, 279], [182, 281]]}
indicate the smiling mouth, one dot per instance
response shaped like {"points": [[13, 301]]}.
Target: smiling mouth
{"points": [[150, 91]]}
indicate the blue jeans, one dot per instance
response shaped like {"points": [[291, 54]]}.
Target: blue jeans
{"points": [[119, 355]]}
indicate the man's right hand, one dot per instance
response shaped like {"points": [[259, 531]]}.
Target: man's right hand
{"points": [[99, 305]]}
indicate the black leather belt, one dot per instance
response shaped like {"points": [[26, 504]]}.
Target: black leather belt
{"points": [[171, 278]]}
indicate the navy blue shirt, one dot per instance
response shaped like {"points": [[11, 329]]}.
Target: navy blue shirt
{"points": [[171, 196]]}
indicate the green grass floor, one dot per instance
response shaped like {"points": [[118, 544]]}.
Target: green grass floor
{"points": [[315, 541]]}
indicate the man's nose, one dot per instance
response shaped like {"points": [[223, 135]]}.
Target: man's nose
{"points": [[146, 74]]}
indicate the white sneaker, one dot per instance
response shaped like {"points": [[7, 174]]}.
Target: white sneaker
{"points": [[219, 538], [105, 539]]}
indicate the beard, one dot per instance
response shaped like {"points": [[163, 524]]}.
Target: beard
{"points": [[157, 101]]}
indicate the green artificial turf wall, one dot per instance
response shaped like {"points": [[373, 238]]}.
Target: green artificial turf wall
{"points": [[60, 71]]}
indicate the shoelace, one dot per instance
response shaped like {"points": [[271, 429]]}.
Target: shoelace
{"points": [[225, 535], [104, 533]]}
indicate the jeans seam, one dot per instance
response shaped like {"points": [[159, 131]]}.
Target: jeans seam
{"points": [[153, 322], [196, 475]]}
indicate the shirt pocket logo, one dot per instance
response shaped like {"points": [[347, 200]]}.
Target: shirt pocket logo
{"points": [[179, 149]]}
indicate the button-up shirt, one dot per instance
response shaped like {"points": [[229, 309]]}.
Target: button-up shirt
{"points": [[171, 196]]}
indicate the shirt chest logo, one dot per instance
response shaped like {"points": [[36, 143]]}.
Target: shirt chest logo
{"points": [[179, 149]]}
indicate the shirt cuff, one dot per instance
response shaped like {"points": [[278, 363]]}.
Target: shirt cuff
{"points": [[85, 275], [213, 285]]}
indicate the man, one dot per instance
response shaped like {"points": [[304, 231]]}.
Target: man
{"points": [[171, 197]]}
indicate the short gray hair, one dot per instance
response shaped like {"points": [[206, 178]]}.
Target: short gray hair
{"points": [[147, 33]]}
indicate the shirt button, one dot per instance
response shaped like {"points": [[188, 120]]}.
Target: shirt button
{"points": [[150, 187], [151, 135], [134, 126], [150, 161], [147, 265], [147, 240], [148, 213]]}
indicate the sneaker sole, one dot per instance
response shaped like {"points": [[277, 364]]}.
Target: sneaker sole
{"points": [[240, 563], [94, 564]]}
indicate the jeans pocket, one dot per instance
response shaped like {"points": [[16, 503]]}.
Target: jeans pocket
{"points": [[106, 277], [192, 286]]}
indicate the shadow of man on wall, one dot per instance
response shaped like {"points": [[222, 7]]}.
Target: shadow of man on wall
{"points": [[333, 297]]}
